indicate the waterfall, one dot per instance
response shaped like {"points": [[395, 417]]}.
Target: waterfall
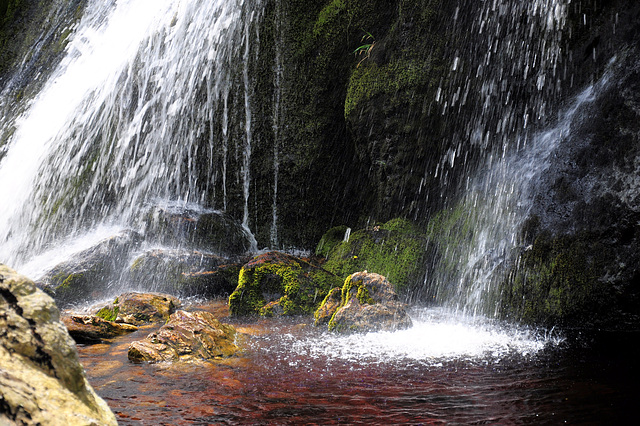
{"points": [[135, 115], [515, 67]]}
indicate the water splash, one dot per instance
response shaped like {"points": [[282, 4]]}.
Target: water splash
{"points": [[125, 118], [438, 336]]}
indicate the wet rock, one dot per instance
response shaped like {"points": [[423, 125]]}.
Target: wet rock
{"points": [[88, 274], [186, 273], [140, 308], [209, 231], [186, 336], [276, 283], [396, 249], [369, 303], [329, 306], [41, 378], [93, 329]]}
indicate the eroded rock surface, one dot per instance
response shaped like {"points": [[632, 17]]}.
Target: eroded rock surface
{"points": [[186, 336], [41, 378], [92, 328], [369, 303], [140, 308]]}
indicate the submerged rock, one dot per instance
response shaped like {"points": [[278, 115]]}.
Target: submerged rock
{"points": [[92, 328], [140, 308], [41, 378], [186, 273], [186, 336], [369, 303], [276, 283], [88, 274]]}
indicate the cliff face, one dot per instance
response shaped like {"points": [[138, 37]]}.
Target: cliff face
{"points": [[363, 111]]}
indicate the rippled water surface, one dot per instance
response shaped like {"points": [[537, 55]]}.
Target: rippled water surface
{"points": [[445, 370]]}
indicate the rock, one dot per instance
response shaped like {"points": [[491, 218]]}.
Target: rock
{"points": [[187, 273], [328, 307], [88, 274], [330, 239], [396, 249], [211, 231], [93, 329], [140, 308], [276, 283], [41, 378], [369, 303], [186, 336]]}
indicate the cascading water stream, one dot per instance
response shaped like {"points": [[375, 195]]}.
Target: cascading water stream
{"points": [[126, 121], [520, 43]]}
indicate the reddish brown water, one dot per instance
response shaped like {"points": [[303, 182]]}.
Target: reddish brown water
{"points": [[280, 381]]}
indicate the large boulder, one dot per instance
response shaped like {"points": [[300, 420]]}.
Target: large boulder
{"points": [[140, 308], [41, 378], [186, 272], [276, 283], [89, 273], [369, 303], [186, 336], [396, 249], [210, 231]]}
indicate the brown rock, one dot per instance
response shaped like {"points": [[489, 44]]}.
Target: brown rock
{"points": [[369, 303], [187, 336], [140, 308], [92, 329]]}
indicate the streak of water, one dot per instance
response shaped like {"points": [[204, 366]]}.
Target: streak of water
{"points": [[124, 119]]}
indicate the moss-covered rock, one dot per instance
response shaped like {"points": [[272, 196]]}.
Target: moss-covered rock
{"points": [[88, 274], [328, 307], [276, 283], [368, 303], [396, 250], [330, 239]]}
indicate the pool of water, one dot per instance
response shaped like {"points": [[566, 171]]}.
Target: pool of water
{"points": [[447, 369]]}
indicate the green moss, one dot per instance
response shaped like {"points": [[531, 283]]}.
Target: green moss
{"points": [[327, 17], [396, 78], [557, 282], [392, 250], [275, 283], [108, 313], [330, 239]]}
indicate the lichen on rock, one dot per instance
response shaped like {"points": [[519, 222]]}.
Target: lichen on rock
{"points": [[368, 303], [41, 377], [276, 283]]}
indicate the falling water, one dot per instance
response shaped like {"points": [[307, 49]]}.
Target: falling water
{"points": [[520, 43], [136, 114]]}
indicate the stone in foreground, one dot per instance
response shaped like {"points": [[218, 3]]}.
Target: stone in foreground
{"points": [[41, 379], [187, 336], [369, 303]]}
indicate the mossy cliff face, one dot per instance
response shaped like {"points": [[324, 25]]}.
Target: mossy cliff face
{"points": [[276, 283], [581, 266], [396, 249]]}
